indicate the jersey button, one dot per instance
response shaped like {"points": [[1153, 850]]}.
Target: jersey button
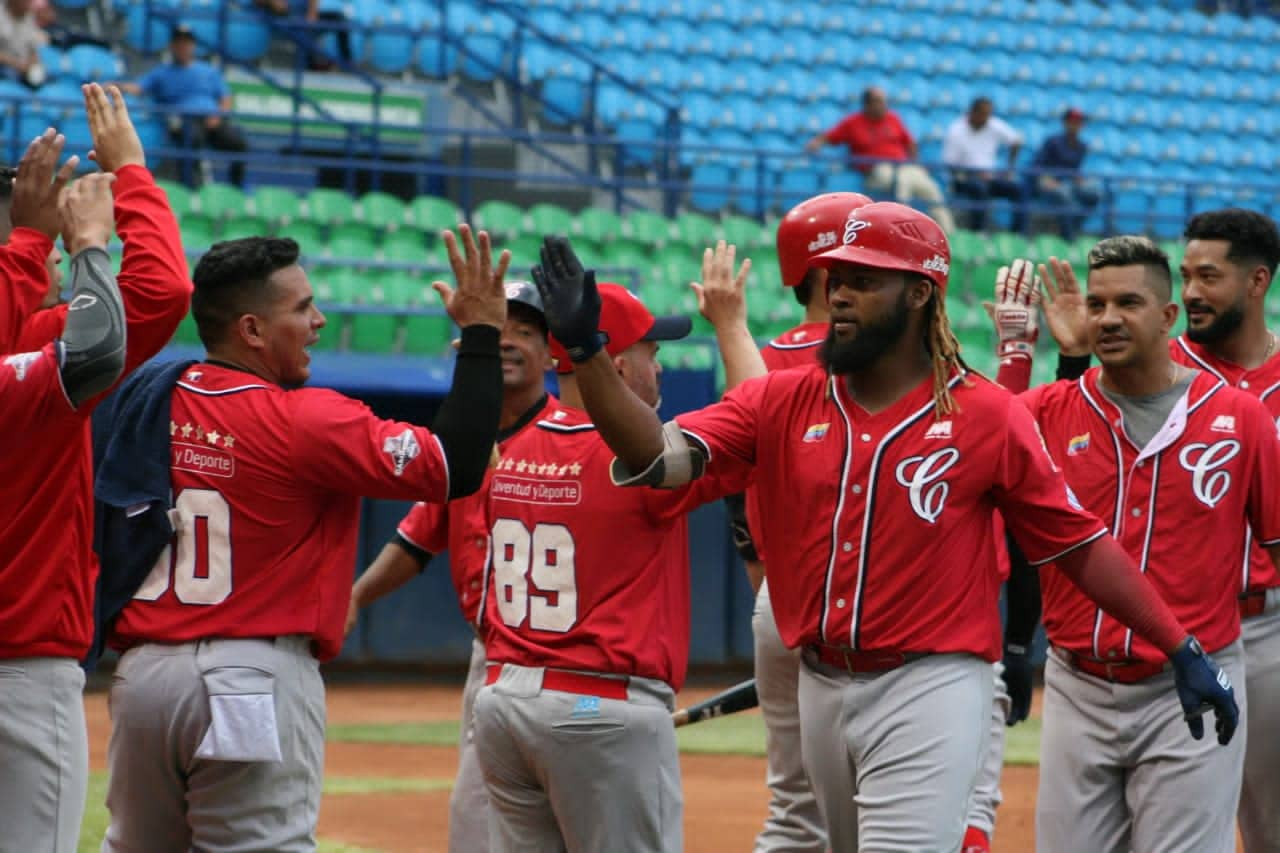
{"points": [[840, 603], [479, 541], [1140, 464], [857, 490], [847, 547], [475, 584], [1244, 383], [1137, 511], [866, 437]]}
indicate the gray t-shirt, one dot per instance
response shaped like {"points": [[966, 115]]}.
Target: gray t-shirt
{"points": [[20, 37], [1145, 415]]}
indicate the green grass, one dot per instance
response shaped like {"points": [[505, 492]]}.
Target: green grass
{"points": [[384, 785], [440, 733], [1022, 743], [737, 734]]}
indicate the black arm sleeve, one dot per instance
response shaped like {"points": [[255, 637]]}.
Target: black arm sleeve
{"points": [[1072, 366], [1022, 599], [467, 423], [420, 555]]}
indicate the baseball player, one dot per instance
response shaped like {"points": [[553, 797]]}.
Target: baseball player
{"points": [[47, 568], [462, 528], [586, 622], [217, 739], [793, 822], [896, 459], [1229, 261], [1157, 449]]}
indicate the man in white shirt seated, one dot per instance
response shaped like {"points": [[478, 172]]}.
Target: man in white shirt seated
{"points": [[971, 150]]}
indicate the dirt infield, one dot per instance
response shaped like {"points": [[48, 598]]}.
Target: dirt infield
{"points": [[725, 796]]}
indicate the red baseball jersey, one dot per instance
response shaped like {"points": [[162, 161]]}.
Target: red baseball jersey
{"points": [[797, 347], [1212, 471], [267, 485], [886, 520], [26, 278], [1262, 382], [583, 574], [462, 527], [48, 570]]}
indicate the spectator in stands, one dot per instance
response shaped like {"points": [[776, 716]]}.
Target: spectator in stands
{"points": [[310, 11], [970, 150], [20, 41], [200, 96], [877, 132], [1056, 178]]}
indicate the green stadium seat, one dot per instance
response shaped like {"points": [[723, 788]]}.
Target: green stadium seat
{"points": [[221, 201], [308, 235], [405, 247], [427, 334], [619, 258], [1005, 246], [277, 205], [744, 233], [179, 197], [501, 219], [381, 210], [374, 332], [647, 227], [588, 251], [186, 333], [404, 289], [598, 224], [545, 219], [238, 227], [968, 246], [525, 251], [433, 214], [327, 206], [1046, 246], [1080, 251], [353, 243], [696, 230], [198, 231]]}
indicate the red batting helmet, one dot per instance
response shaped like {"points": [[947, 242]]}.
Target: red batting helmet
{"points": [[891, 236], [811, 227]]}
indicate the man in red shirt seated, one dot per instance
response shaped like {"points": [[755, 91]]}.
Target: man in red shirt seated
{"points": [[877, 132]]}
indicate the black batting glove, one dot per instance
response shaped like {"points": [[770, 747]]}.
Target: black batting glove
{"points": [[1202, 686], [570, 300], [1018, 674]]}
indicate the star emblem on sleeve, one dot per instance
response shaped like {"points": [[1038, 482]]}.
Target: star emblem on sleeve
{"points": [[173, 427], [199, 433], [186, 430], [228, 441], [575, 469], [212, 437], [564, 469], [521, 466]]}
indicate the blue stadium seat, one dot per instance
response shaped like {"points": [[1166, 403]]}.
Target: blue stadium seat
{"points": [[89, 62], [248, 37], [710, 187], [148, 33], [389, 46], [54, 61]]}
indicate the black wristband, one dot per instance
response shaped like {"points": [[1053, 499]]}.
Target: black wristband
{"points": [[467, 421], [1072, 366], [579, 353]]}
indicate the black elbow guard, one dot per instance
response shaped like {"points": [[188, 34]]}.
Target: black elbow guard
{"points": [[92, 349]]}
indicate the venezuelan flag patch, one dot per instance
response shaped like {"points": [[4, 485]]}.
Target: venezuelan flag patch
{"points": [[1078, 444], [816, 432]]}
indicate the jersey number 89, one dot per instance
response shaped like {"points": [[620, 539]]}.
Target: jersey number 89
{"points": [[533, 574], [201, 564]]}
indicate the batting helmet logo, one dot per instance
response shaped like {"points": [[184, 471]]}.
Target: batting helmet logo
{"points": [[852, 227], [920, 476], [1209, 484]]}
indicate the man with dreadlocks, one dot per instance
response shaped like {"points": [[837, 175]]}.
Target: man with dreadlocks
{"points": [[882, 466]]}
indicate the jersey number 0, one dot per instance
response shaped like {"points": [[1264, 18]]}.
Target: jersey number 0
{"points": [[200, 566], [533, 574]]}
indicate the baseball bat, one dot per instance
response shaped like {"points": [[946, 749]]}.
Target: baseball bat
{"points": [[740, 697]]}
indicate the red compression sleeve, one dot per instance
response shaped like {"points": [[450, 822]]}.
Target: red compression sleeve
{"points": [[1015, 373], [1104, 572]]}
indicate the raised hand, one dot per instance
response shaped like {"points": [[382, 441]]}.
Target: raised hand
{"points": [[721, 294], [87, 210], [569, 299], [1064, 308], [479, 297], [1202, 685], [115, 140], [1014, 311], [36, 188]]}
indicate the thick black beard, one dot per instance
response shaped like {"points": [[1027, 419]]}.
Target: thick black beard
{"points": [[868, 345], [1222, 327]]}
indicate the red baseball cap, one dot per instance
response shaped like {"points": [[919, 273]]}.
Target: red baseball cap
{"points": [[625, 321]]}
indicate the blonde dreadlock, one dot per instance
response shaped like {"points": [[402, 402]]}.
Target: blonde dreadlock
{"points": [[945, 349]]}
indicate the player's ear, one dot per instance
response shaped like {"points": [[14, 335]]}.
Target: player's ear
{"points": [[250, 331], [919, 290], [621, 365], [1170, 312], [1259, 281]]}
